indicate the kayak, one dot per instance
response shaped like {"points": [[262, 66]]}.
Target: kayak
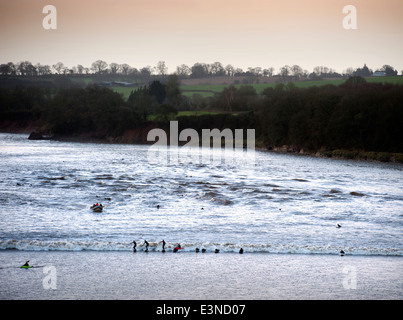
{"points": [[97, 208], [26, 267]]}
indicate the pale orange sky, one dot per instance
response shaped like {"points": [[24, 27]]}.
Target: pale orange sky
{"points": [[244, 33]]}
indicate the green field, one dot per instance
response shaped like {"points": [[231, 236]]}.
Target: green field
{"points": [[210, 90], [125, 91]]}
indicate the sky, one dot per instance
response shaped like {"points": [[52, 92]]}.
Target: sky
{"points": [[243, 33]]}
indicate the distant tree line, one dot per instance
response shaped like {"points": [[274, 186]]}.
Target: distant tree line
{"points": [[71, 111], [355, 115], [286, 73]]}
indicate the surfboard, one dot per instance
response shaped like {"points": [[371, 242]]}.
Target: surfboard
{"points": [[26, 267]]}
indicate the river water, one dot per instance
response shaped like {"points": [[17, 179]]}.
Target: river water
{"points": [[283, 210], [274, 203]]}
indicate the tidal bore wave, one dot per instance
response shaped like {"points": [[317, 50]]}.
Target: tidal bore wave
{"points": [[36, 245]]}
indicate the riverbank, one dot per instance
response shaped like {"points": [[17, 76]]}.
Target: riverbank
{"points": [[360, 155], [139, 136], [111, 275]]}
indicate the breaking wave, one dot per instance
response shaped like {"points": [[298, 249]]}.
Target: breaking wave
{"points": [[36, 245]]}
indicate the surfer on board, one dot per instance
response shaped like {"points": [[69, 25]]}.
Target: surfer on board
{"points": [[147, 244], [178, 247]]}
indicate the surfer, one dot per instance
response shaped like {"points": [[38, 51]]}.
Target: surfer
{"points": [[338, 226], [341, 252], [178, 247], [147, 244], [241, 251], [163, 245], [134, 246], [26, 264]]}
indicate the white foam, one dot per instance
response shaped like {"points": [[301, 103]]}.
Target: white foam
{"points": [[36, 245]]}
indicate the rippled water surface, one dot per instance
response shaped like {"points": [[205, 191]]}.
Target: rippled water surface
{"points": [[272, 203]]}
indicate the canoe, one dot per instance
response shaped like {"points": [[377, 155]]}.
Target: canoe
{"points": [[97, 208]]}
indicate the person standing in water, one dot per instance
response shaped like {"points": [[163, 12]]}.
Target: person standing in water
{"points": [[163, 245], [134, 246], [147, 244]]}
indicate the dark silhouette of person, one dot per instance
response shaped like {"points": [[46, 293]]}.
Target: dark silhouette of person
{"points": [[163, 245], [134, 246], [147, 244]]}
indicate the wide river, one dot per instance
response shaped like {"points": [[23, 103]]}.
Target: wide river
{"points": [[271, 203]]}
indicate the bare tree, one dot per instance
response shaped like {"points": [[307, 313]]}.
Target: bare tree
{"points": [[80, 69], [284, 73], [99, 66], [230, 70], [43, 69], [58, 67], [26, 68], [5, 69], [114, 67], [268, 72], [349, 71], [256, 71], [199, 70], [161, 68], [217, 69], [238, 71], [297, 72], [183, 70], [146, 73], [125, 68]]}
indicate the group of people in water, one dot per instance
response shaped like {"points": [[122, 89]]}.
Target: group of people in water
{"points": [[175, 249]]}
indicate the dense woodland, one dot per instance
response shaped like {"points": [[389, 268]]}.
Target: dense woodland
{"points": [[353, 116]]}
